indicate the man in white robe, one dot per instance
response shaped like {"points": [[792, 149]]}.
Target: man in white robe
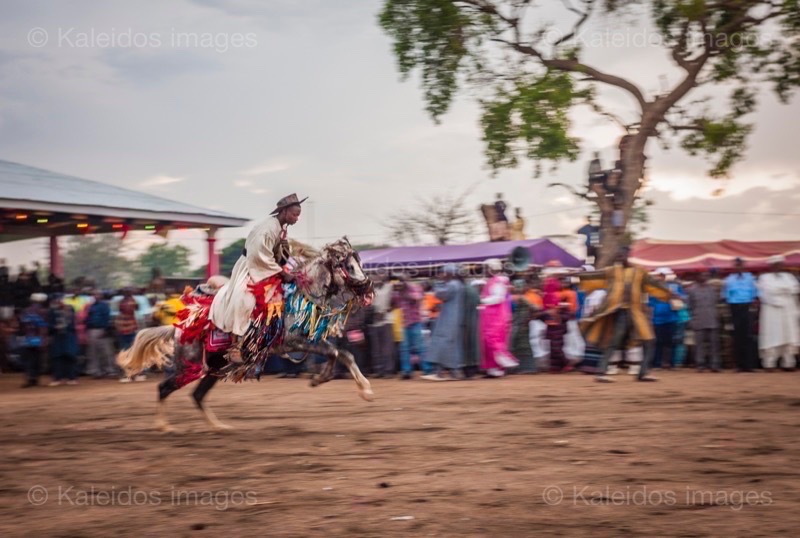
{"points": [[264, 247], [779, 333]]}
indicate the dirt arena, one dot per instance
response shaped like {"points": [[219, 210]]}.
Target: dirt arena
{"points": [[693, 455]]}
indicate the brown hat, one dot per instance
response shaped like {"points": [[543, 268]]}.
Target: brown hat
{"points": [[287, 201]]}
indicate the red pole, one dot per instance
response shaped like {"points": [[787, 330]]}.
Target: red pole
{"points": [[213, 259], [56, 265]]}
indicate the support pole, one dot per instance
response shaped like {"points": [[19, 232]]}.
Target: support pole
{"points": [[56, 264], [213, 259]]}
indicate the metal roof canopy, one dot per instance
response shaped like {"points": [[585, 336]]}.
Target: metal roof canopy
{"points": [[39, 203]]}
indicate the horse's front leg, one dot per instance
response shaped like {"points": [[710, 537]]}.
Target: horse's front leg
{"points": [[364, 388], [333, 354]]}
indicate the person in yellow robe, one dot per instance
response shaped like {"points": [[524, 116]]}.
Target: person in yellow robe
{"points": [[621, 320], [518, 226], [166, 311]]}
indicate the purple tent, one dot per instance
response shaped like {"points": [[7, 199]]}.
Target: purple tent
{"points": [[542, 251]]}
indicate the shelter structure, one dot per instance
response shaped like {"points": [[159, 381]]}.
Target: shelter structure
{"points": [[40, 203], [692, 256], [428, 258]]}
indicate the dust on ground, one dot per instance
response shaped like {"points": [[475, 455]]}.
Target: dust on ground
{"points": [[692, 455]]}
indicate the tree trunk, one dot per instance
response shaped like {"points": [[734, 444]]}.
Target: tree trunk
{"points": [[613, 237]]}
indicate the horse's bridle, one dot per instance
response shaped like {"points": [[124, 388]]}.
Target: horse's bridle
{"points": [[360, 288]]}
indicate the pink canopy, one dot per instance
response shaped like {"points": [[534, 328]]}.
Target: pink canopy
{"points": [[689, 256]]}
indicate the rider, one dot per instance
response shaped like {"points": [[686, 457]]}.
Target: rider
{"points": [[261, 264]]}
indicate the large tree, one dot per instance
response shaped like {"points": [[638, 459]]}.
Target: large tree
{"points": [[165, 259], [229, 256], [97, 258], [529, 74]]}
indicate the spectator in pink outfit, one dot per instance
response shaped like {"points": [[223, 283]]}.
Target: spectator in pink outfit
{"points": [[495, 322]]}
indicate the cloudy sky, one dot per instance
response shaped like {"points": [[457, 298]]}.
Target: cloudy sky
{"points": [[231, 104]]}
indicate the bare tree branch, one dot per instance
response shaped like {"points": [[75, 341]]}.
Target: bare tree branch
{"points": [[584, 16], [441, 218]]}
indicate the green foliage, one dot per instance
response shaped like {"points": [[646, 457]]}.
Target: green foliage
{"points": [[369, 246], [433, 36], [168, 260], [229, 256], [97, 258], [722, 139], [532, 117], [528, 86]]}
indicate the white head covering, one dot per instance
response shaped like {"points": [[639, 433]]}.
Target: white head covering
{"points": [[217, 281], [666, 271], [776, 259], [494, 264], [39, 298]]}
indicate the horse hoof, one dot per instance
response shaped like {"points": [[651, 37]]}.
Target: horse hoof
{"points": [[367, 395], [223, 428], [315, 381]]}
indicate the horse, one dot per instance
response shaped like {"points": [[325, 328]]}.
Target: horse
{"points": [[328, 285]]}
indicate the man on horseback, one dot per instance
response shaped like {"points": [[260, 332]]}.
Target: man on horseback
{"points": [[258, 274], [272, 305]]}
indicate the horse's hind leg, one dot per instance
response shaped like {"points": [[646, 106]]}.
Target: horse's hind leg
{"points": [[206, 382], [165, 388], [185, 373]]}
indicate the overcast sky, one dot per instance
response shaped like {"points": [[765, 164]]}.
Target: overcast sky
{"points": [[231, 104]]}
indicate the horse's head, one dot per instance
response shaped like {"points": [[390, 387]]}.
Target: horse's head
{"points": [[345, 265], [341, 256]]}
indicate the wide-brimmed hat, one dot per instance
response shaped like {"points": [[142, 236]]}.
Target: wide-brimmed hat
{"points": [[287, 201]]}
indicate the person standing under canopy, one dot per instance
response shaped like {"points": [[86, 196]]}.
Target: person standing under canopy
{"points": [[495, 322], [780, 316], [446, 349], [740, 292], [258, 272]]}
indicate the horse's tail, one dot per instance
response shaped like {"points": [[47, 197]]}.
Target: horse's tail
{"points": [[152, 347]]}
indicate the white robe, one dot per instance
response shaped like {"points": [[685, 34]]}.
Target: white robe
{"points": [[780, 316], [233, 305]]}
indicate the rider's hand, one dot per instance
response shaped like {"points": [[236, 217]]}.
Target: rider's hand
{"points": [[287, 276]]}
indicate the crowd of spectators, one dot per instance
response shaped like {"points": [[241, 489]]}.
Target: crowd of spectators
{"points": [[445, 327], [69, 331]]}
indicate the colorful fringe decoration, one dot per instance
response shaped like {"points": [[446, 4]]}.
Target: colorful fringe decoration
{"points": [[193, 320], [275, 304], [265, 330], [313, 321]]}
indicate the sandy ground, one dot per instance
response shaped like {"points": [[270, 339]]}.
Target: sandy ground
{"points": [[693, 455]]}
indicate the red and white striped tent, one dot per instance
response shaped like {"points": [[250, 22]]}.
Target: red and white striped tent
{"points": [[692, 256]]}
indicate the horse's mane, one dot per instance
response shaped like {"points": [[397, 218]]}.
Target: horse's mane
{"points": [[316, 277], [303, 251]]}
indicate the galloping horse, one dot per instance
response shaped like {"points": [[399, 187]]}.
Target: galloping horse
{"points": [[328, 285]]}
